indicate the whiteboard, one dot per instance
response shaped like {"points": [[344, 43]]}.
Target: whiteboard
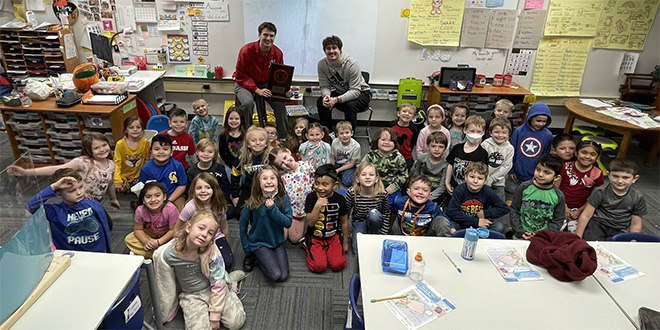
{"points": [[386, 54]]}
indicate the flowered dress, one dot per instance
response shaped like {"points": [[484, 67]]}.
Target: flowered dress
{"points": [[298, 184]]}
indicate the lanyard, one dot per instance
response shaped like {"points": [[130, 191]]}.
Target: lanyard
{"points": [[403, 214]]}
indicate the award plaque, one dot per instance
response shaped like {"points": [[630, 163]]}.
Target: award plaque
{"points": [[279, 80]]}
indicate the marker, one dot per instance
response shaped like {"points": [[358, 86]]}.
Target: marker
{"points": [[390, 298], [452, 262]]}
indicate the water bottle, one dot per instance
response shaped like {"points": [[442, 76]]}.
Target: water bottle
{"points": [[469, 244], [417, 264]]}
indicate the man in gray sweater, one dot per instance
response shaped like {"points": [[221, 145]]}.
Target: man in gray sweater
{"points": [[342, 84]]}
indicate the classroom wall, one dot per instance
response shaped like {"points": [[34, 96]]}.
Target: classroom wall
{"points": [[395, 57]]}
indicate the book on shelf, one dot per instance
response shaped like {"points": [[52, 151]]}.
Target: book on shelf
{"points": [[107, 99]]}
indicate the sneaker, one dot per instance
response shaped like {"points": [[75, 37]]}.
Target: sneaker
{"points": [[248, 263], [572, 226]]}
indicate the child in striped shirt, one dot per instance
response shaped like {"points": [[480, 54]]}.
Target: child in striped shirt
{"points": [[367, 203]]}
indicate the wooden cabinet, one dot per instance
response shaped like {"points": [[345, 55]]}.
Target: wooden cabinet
{"points": [[53, 135], [29, 53], [481, 101]]}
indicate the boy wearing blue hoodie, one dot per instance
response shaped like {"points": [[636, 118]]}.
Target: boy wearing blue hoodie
{"points": [[530, 141]]}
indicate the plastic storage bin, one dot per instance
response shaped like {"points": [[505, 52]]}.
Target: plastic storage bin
{"points": [[66, 152], [35, 150], [23, 115], [22, 125], [108, 134], [96, 121], [394, 256], [32, 141], [63, 135], [61, 116], [454, 98], [110, 87], [67, 143], [69, 124]]}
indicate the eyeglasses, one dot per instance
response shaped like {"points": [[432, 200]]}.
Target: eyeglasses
{"points": [[272, 133]]}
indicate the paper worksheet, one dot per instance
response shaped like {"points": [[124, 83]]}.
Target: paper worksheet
{"points": [[421, 305]]}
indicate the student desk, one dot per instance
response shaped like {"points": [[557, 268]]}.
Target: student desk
{"points": [[85, 291], [639, 292], [482, 298], [577, 110]]}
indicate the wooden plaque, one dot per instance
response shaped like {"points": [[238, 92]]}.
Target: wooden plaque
{"points": [[279, 80]]}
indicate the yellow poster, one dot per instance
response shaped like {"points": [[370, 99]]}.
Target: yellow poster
{"points": [[625, 24], [559, 66], [436, 22], [573, 18]]}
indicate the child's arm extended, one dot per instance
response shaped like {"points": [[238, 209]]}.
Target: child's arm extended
{"points": [[584, 218], [450, 189], [112, 193], [636, 224], [178, 192], [150, 244], [344, 230], [41, 171]]}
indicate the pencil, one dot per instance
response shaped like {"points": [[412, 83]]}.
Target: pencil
{"points": [[389, 298], [452, 262]]}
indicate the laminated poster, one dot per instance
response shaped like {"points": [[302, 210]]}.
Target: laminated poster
{"points": [[421, 305], [559, 66], [613, 267], [511, 264], [625, 24], [435, 23]]}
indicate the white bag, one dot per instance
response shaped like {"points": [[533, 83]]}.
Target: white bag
{"points": [[37, 90]]}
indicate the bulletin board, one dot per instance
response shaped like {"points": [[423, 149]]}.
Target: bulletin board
{"points": [[390, 58]]}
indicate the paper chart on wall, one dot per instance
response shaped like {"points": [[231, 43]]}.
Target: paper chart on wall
{"points": [[435, 23], [625, 24], [473, 31], [559, 66], [216, 11], [534, 4], [573, 18], [500, 28], [520, 61], [200, 36], [530, 29]]}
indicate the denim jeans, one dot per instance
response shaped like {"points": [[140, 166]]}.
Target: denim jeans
{"points": [[346, 176], [371, 225], [274, 263]]}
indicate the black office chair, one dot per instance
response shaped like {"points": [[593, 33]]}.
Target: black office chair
{"points": [[365, 75]]}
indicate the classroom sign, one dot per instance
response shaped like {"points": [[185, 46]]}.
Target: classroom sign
{"points": [[435, 23], [559, 66]]}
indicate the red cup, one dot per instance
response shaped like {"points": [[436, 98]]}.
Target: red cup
{"points": [[218, 72]]}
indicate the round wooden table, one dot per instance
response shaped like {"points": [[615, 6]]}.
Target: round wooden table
{"points": [[577, 110]]}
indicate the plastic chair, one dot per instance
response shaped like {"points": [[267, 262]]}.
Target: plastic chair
{"points": [[639, 237], [158, 123], [149, 133], [589, 130], [353, 319], [126, 306], [366, 76], [493, 234], [605, 144]]}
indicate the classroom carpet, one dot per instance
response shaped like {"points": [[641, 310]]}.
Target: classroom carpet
{"points": [[306, 300]]}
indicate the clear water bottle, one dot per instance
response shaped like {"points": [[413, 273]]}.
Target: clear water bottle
{"points": [[417, 264], [469, 244]]}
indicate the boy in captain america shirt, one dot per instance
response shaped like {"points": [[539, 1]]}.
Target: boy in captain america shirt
{"points": [[75, 223]]}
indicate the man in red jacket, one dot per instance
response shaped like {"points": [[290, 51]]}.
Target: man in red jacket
{"points": [[252, 69]]}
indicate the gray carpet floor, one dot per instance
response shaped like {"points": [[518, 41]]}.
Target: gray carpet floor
{"points": [[306, 300]]}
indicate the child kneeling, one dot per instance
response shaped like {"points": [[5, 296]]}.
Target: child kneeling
{"points": [[325, 211], [206, 294]]}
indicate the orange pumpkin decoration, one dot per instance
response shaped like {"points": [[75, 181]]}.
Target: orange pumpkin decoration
{"points": [[84, 76]]}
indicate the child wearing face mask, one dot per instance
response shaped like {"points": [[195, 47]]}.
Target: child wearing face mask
{"points": [[463, 154]]}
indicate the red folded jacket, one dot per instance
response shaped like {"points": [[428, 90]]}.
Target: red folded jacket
{"points": [[566, 256]]}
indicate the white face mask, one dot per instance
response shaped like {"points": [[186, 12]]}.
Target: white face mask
{"points": [[474, 138]]}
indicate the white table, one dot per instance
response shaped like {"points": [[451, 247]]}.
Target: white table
{"points": [[482, 298], [84, 292], [639, 292], [148, 76]]}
